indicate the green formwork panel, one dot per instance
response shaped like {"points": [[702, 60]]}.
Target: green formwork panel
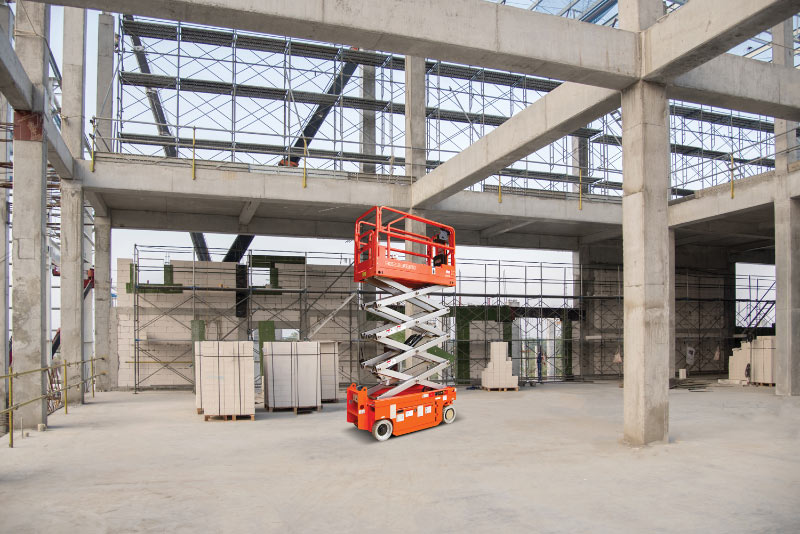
{"points": [[154, 288]]}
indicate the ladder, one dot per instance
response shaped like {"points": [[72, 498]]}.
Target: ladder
{"points": [[427, 334]]}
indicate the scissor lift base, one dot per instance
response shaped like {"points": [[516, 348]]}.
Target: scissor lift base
{"points": [[417, 408]]}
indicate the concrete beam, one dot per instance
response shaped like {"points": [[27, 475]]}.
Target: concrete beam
{"points": [[248, 211], [700, 31], [715, 202], [58, 155], [97, 202], [562, 111], [472, 32], [531, 208], [763, 89], [742, 84], [597, 237], [160, 182], [229, 224], [14, 82], [502, 228], [165, 180]]}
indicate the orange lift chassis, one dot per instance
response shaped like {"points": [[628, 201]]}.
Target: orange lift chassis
{"points": [[403, 401]]}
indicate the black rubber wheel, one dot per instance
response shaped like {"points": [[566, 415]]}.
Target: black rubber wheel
{"points": [[449, 414], [382, 429]]}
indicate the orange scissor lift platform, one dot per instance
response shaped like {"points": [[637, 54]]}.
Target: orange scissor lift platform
{"points": [[405, 400]]}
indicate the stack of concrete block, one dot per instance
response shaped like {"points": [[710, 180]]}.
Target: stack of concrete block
{"points": [[760, 355], [225, 375], [329, 370], [498, 374], [292, 375]]}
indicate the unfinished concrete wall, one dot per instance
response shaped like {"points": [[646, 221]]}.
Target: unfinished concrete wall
{"points": [[164, 319], [704, 325], [289, 296]]}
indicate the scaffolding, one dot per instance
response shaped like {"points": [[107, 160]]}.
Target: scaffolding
{"points": [[561, 321], [190, 91]]}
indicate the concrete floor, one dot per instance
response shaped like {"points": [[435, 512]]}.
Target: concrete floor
{"points": [[546, 459]]}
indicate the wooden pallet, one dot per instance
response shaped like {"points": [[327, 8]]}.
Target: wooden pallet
{"points": [[500, 389], [230, 417], [296, 409], [200, 411], [766, 384]]}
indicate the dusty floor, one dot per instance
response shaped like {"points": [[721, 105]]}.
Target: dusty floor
{"points": [[546, 459]]}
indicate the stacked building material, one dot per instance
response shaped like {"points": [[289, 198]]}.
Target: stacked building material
{"points": [[225, 375], [329, 370], [292, 377], [499, 374], [760, 355]]}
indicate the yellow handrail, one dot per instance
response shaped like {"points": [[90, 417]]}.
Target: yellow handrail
{"points": [[64, 389]]}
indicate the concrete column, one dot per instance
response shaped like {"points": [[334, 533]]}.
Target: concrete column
{"points": [[6, 26], [30, 279], [728, 312], [368, 137], [671, 288], [415, 154], [73, 80], [787, 238], [72, 274], [415, 117], [105, 81], [72, 213], [88, 298], [102, 302], [646, 257], [416, 144], [785, 131], [787, 305]]}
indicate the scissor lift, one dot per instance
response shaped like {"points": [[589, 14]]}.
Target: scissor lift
{"points": [[405, 400]]}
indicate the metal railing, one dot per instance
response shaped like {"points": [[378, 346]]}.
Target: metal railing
{"points": [[62, 392]]}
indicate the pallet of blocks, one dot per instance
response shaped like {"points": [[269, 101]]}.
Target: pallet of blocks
{"points": [[329, 370], [226, 386], [292, 379], [759, 354], [498, 374]]}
